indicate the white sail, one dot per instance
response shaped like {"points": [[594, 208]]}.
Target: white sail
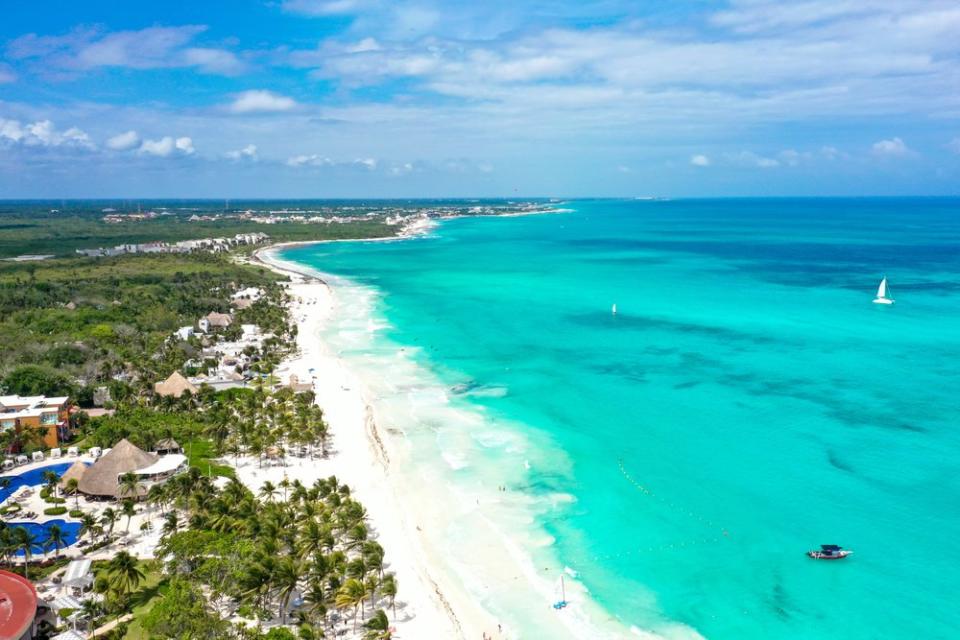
{"points": [[882, 290], [882, 294]]}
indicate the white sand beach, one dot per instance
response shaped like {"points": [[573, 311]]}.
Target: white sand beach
{"points": [[444, 593], [428, 606]]}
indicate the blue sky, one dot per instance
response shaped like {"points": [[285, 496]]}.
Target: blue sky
{"points": [[376, 98]]}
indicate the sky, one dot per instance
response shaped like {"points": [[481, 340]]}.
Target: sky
{"points": [[408, 98]]}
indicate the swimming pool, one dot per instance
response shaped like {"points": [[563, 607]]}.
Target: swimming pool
{"points": [[31, 478], [40, 531]]}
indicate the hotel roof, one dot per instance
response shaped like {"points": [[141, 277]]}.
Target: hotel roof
{"points": [[18, 605]]}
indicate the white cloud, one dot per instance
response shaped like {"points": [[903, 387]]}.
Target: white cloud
{"points": [[6, 74], [312, 160], [43, 133], [954, 145], [261, 101], [249, 152], [751, 159], [891, 147], [167, 146], [315, 160], [124, 141], [150, 48], [700, 160], [185, 145]]}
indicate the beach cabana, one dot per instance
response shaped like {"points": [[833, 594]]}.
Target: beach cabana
{"points": [[95, 452], [78, 574], [75, 472], [102, 479], [8, 464], [22, 459], [38, 456], [55, 453], [73, 451]]}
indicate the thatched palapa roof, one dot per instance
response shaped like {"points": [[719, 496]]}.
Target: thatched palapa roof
{"points": [[174, 386], [102, 479], [167, 444], [76, 472]]}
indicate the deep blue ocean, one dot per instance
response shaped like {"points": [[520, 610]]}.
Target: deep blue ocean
{"points": [[746, 403]]}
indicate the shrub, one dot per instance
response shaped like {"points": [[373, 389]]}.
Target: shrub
{"points": [[55, 511], [53, 500], [76, 513]]}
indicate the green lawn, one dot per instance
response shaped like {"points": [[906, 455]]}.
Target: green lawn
{"points": [[202, 455], [150, 591]]}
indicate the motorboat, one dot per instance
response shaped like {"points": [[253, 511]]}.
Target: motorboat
{"points": [[829, 552]]}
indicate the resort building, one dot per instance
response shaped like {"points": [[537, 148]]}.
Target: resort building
{"points": [[103, 478], [175, 386], [18, 607], [48, 416], [214, 320]]}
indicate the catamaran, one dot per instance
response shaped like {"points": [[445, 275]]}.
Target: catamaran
{"points": [[882, 297]]}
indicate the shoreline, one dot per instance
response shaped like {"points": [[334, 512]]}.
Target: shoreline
{"points": [[427, 605], [445, 585]]}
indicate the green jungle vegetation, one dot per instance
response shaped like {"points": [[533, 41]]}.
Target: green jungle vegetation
{"points": [[31, 228], [70, 325]]}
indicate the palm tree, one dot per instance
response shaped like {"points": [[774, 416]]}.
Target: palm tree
{"points": [[108, 519], [87, 524], [130, 485], [25, 541], [157, 495], [123, 574], [378, 626], [90, 609], [56, 538], [171, 523], [73, 488], [128, 510], [351, 594], [268, 491], [388, 587], [51, 478], [286, 574]]}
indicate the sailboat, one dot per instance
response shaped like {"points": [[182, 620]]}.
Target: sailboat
{"points": [[882, 297], [614, 309]]}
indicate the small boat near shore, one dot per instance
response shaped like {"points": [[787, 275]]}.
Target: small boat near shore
{"points": [[829, 552]]}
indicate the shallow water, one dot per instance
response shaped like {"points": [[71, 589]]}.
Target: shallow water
{"points": [[746, 403]]}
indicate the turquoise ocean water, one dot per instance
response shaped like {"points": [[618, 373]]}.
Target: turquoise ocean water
{"points": [[745, 404]]}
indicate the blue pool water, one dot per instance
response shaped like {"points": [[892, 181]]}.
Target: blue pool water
{"points": [[31, 478], [745, 404], [41, 531]]}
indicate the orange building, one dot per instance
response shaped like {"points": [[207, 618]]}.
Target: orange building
{"points": [[48, 416]]}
